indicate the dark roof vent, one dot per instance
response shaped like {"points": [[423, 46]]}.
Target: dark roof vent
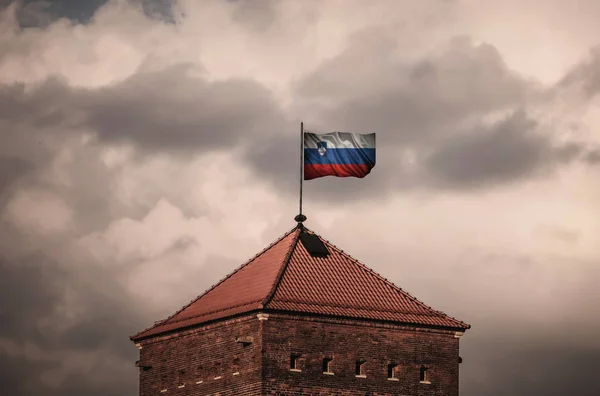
{"points": [[313, 244]]}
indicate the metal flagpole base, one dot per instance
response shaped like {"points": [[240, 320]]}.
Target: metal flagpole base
{"points": [[300, 218]]}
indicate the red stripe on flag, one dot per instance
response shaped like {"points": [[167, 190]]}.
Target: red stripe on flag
{"points": [[313, 171]]}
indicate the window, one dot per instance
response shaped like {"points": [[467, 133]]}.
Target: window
{"points": [[392, 372], [327, 366], [294, 360], [360, 370], [424, 375]]}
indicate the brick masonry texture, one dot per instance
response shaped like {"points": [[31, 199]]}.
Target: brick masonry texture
{"points": [[348, 342], [204, 354], [186, 357]]}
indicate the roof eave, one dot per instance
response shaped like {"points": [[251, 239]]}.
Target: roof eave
{"points": [[461, 328], [147, 334]]}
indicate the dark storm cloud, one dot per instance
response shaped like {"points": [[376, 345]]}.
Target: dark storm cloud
{"points": [[44, 105], [255, 15], [161, 10], [23, 377], [10, 170], [37, 123], [165, 110], [34, 290], [41, 13], [508, 150], [593, 157], [173, 110], [434, 108], [533, 323], [19, 376], [411, 101], [585, 75], [20, 303], [527, 365]]}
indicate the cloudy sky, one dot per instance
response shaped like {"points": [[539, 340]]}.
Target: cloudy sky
{"points": [[148, 148]]}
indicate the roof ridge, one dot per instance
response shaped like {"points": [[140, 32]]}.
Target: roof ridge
{"points": [[390, 284], [284, 266], [160, 322]]}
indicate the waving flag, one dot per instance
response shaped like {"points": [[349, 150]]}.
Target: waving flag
{"points": [[339, 154]]}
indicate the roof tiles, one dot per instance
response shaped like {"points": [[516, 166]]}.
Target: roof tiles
{"points": [[286, 277]]}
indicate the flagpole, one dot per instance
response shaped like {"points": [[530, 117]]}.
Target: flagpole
{"points": [[300, 218], [301, 161]]}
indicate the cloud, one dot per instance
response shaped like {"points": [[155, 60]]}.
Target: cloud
{"points": [[593, 157], [434, 100], [508, 150], [39, 331], [161, 10], [172, 109], [520, 366], [372, 87], [10, 170], [431, 115], [137, 148], [255, 15], [164, 110], [42, 13], [585, 75]]}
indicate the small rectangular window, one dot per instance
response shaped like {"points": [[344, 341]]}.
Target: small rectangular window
{"points": [[327, 365], [360, 370], [424, 375], [392, 371], [294, 360]]}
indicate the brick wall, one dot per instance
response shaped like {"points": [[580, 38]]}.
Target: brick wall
{"points": [[211, 351], [347, 342], [204, 354]]}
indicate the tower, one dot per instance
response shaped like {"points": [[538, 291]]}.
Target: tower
{"points": [[302, 318]]}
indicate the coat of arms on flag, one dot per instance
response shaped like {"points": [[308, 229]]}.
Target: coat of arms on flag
{"points": [[322, 148]]}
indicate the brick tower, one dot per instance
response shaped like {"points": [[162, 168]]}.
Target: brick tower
{"points": [[302, 318]]}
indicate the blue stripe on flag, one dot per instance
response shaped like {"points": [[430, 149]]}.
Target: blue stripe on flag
{"points": [[340, 156]]}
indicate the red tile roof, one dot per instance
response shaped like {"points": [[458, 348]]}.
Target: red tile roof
{"points": [[286, 277]]}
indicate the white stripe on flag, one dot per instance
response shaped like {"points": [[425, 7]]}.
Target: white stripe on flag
{"points": [[340, 140]]}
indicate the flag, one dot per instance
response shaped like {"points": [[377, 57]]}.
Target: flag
{"points": [[339, 154]]}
